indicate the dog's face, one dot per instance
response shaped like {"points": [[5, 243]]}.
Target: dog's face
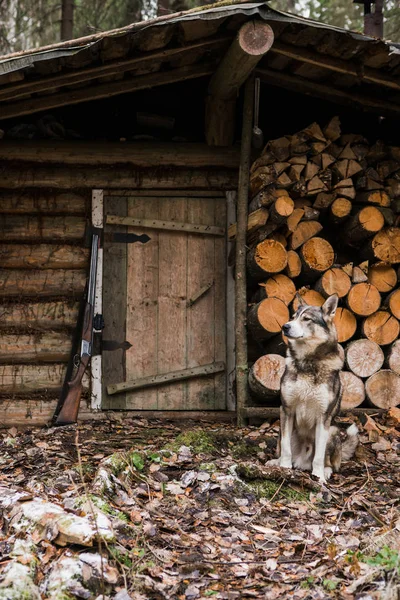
{"points": [[312, 323]]}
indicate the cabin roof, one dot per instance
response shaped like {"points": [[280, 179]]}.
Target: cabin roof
{"points": [[307, 56]]}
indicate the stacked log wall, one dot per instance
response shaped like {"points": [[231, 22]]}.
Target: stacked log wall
{"points": [[44, 265], [339, 234]]}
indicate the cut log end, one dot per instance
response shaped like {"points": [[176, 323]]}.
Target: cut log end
{"points": [[353, 390], [280, 286], [266, 318], [383, 389], [386, 245], [364, 357], [393, 360], [334, 281], [381, 327], [383, 277], [364, 299], [267, 258], [266, 374], [345, 323], [317, 255], [256, 38], [393, 302], [311, 297], [293, 268]]}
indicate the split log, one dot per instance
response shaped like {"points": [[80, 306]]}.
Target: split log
{"points": [[358, 275], [377, 197], [324, 201], [345, 323], [393, 303], [346, 189], [265, 376], [28, 228], [381, 327], [267, 258], [333, 281], [303, 232], [28, 379], [382, 276], [333, 131], [40, 202], [294, 219], [281, 209], [317, 256], [340, 210], [310, 214], [311, 297], [353, 390], [393, 359], [385, 246], [364, 357], [265, 198], [366, 223], [36, 348], [267, 318], [363, 299], [383, 389], [293, 268], [57, 282], [39, 315], [43, 256], [255, 220], [278, 286]]}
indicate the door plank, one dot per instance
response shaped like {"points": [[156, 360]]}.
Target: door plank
{"points": [[171, 351], [166, 224], [114, 303], [220, 379], [142, 310], [200, 316]]}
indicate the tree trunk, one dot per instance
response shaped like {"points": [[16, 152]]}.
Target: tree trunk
{"points": [[383, 389], [67, 20], [265, 376], [364, 357], [345, 323], [267, 258], [381, 328], [267, 318], [333, 281], [353, 390], [364, 299]]}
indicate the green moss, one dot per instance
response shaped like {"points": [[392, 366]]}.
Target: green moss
{"points": [[265, 488], [208, 467], [121, 557], [244, 449], [199, 441], [102, 505]]}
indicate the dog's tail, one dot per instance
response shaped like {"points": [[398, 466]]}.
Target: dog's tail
{"points": [[351, 442]]}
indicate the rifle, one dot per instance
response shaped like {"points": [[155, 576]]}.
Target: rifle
{"points": [[70, 407]]}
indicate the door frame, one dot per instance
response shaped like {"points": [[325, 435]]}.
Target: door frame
{"points": [[97, 219]]}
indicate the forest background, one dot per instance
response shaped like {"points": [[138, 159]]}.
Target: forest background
{"points": [[32, 23]]}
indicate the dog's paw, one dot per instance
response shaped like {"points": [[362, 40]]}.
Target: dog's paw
{"points": [[274, 462], [327, 472], [319, 472], [285, 463]]}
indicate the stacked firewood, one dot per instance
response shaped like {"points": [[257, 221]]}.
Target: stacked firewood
{"points": [[324, 218]]}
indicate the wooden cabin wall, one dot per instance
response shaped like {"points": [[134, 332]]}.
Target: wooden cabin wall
{"points": [[44, 264]]}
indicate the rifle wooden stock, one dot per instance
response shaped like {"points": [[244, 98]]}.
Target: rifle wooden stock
{"points": [[70, 409]]}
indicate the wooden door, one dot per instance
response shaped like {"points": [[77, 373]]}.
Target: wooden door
{"points": [[167, 298]]}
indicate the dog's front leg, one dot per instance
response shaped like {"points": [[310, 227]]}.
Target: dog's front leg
{"points": [[321, 439], [287, 420]]}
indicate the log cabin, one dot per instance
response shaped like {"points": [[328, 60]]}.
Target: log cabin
{"points": [[148, 129]]}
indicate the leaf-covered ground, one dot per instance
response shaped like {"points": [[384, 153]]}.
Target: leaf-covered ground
{"points": [[139, 509]]}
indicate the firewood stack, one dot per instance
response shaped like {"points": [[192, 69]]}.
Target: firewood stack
{"points": [[324, 218]]}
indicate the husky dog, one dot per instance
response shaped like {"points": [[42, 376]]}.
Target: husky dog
{"points": [[311, 393]]}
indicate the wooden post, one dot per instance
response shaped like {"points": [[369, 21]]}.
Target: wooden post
{"points": [[240, 274], [67, 19], [253, 40]]}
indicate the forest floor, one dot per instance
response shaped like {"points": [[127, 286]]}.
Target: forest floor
{"points": [[138, 509]]}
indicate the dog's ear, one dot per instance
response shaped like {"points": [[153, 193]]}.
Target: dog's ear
{"points": [[301, 300], [330, 306]]}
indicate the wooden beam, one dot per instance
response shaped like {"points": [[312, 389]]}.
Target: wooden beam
{"points": [[154, 380], [13, 92], [337, 65], [328, 92], [104, 90], [252, 42], [168, 225], [64, 178], [273, 412], [136, 154], [240, 265]]}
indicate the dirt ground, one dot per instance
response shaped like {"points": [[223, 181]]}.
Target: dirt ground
{"points": [[138, 509]]}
